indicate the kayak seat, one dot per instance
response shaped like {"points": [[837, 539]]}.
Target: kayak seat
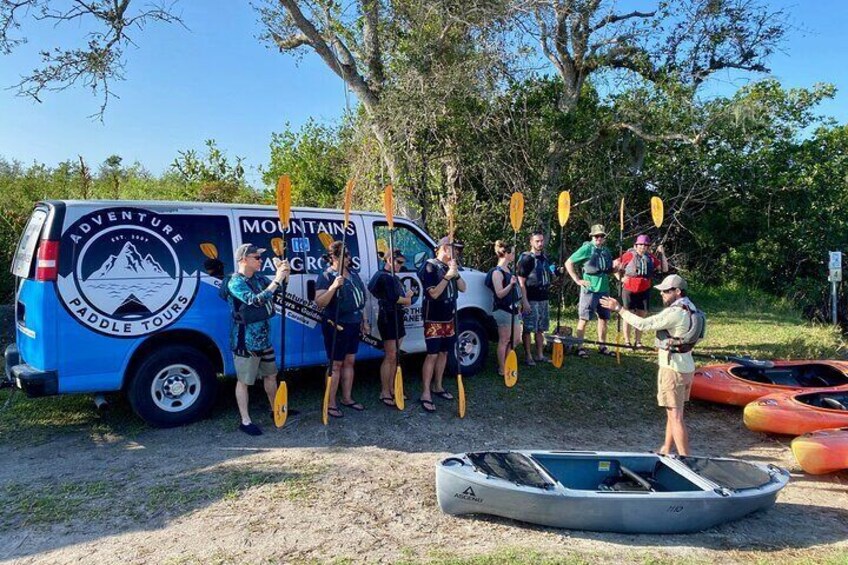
{"points": [[627, 480], [832, 403]]}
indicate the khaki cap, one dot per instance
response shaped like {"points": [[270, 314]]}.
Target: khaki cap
{"points": [[672, 281]]}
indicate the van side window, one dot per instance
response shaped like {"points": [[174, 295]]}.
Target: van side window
{"points": [[416, 250]]}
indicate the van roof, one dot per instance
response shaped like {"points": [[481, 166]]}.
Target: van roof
{"points": [[212, 205]]}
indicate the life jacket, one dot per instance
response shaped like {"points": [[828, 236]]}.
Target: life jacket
{"points": [[540, 276], [600, 262], [242, 313], [510, 302], [354, 291], [386, 305], [450, 293], [696, 331], [639, 266]]}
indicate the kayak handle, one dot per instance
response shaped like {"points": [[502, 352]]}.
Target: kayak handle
{"points": [[451, 459]]}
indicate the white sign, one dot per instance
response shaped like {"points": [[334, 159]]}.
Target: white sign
{"points": [[835, 275], [835, 260]]}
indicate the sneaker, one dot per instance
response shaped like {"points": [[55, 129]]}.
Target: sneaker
{"points": [[250, 429], [543, 359]]}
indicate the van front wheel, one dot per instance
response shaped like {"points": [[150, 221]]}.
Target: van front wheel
{"points": [[473, 345], [173, 386]]}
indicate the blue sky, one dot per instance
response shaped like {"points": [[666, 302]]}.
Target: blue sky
{"points": [[215, 80]]}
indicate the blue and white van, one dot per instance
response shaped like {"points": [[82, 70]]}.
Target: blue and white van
{"points": [[123, 296]]}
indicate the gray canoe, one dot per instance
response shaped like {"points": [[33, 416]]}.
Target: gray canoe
{"points": [[606, 491]]}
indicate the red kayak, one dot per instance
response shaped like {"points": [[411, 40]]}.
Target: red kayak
{"points": [[824, 451], [796, 413], [739, 385]]}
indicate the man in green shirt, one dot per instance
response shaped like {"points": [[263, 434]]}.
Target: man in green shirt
{"points": [[597, 263]]}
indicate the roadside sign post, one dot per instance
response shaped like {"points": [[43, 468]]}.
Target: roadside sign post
{"points": [[835, 277]]}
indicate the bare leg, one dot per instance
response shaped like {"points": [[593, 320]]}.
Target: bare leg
{"points": [[503, 345], [678, 430], [581, 328], [241, 400], [388, 368], [540, 344], [270, 385], [427, 375], [602, 329], [668, 443], [525, 338], [641, 314], [441, 363], [334, 382], [626, 327], [347, 379]]}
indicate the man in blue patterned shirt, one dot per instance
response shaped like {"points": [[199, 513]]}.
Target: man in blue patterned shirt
{"points": [[251, 298]]}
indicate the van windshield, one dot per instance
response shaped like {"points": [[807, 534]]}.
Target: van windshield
{"points": [[22, 263]]}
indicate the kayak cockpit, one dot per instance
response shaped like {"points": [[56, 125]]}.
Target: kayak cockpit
{"points": [[810, 375], [833, 400]]}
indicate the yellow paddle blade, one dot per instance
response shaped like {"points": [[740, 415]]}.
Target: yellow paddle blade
{"points": [[460, 395], [564, 207], [399, 389], [325, 406], [325, 239], [389, 205], [277, 246], [383, 248], [557, 354], [511, 369], [281, 405], [284, 200], [621, 216], [209, 250], [516, 210], [657, 211], [348, 200]]}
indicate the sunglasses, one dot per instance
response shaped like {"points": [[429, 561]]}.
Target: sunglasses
{"points": [[667, 291], [400, 262], [599, 236], [257, 257]]}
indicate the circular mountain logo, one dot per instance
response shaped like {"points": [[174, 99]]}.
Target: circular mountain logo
{"points": [[121, 273]]}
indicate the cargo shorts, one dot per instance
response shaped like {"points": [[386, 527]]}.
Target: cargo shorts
{"points": [[259, 364], [538, 319], [673, 388]]}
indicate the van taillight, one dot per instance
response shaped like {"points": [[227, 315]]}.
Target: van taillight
{"points": [[47, 264]]}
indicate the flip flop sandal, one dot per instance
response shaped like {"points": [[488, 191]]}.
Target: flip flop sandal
{"points": [[428, 406], [582, 353], [354, 406], [388, 401], [606, 351], [335, 412], [443, 394]]}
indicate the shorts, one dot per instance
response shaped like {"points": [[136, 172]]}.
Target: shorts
{"points": [[347, 340], [635, 300], [590, 304], [538, 318], [504, 318], [260, 364], [440, 337], [673, 388], [390, 325]]}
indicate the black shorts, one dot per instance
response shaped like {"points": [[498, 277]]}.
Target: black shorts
{"points": [[635, 300], [347, 340], [390, 325]]}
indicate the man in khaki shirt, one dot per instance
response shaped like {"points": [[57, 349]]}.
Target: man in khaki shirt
{"points": [[676, 370]]}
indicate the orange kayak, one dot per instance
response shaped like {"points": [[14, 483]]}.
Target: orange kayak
{"points": [[824, 451], [734, 384], [796, 413]]}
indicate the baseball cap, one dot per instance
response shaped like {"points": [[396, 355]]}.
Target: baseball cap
{"points": [[672, 281], [246, 249]]}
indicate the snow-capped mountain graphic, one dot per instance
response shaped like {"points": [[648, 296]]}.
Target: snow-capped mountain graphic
{"points": [[128, 264]]}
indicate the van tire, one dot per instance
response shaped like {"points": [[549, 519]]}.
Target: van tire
{"points": [[476, 343], [174, 386]]}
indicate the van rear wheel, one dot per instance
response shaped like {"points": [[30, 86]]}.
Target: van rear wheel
{"points": [[173, 386]]}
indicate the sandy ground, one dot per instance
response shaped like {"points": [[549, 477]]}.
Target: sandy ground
{"points": [[360, 490]]}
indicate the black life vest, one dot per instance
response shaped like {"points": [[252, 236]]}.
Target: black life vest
{"points": [[511, 303], [600, 262], [451, 292], [540, 275], [639, 266]]}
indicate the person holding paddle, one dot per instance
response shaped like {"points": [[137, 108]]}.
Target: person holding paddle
{"points": [[341, 293], [442, 283], [674, 327], [638, 265], [250, 296], [507, 300], [597, 265], [535, 272], [387, 288]]}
